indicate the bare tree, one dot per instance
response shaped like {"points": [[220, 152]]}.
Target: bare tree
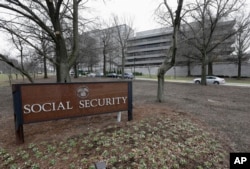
{"points": [[220, 45], [21, 48], [203, 32], [49, 16], [106, 43], [186, 54], [123, 33], [242, 39], [105, 40], [38, 41], [169, 61], [19, 45], [88, 51], [14, 64], [46, 49]]}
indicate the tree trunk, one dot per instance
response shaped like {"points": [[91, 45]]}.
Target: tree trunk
{"points": [[189, 68], [63, 60], [104, 62], [149, 72], [160, 90], [76, 73], [45, 68], [203, 70], [123, 61], [75, 49], [239, 67], [210, 68], [160, 75], [62, 65], [91, 68], [62, 73], [168, 63]]}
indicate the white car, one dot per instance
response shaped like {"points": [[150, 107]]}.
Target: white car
{"points": [[91, 75], [211, 80], [127, 76]]}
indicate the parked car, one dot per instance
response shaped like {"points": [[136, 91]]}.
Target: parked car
{"points": [[113, 75], [99, 74], [211, 80], [72, 73], [128, 76], [91, 75]]}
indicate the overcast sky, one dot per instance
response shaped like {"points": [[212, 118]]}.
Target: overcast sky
{"points": [[140, 11]]}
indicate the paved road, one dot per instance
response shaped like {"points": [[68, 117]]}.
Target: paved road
{"points": [[188, 81]]}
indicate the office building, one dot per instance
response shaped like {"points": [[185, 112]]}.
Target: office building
{"points": [[147, 51]]}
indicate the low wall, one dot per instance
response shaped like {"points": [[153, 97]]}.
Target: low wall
{"points": [[223, 69]]}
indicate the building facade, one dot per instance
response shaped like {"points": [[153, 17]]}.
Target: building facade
{"points": [[107, 44], [148, 49]]}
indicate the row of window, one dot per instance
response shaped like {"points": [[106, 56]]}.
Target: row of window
{"points": [[153, 52], [148, 39], [145, 59], [163, 44]]}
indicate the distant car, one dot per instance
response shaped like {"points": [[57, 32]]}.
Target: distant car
{"points": [[211, 80], [72, 73], [91, 75], [99, 74], [128, 76], [113, 75]]}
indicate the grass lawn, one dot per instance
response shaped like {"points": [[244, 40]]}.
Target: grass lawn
{"points": [[3, 77], [4, 80]]}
